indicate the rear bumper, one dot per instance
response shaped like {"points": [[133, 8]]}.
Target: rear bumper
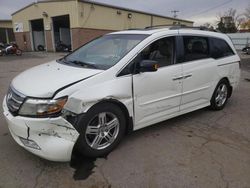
{"points": [[55, 137]]}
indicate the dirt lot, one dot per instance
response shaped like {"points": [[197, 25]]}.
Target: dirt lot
{"points": [[199, 149]]}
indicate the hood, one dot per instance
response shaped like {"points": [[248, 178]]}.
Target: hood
{"points": [[43, 80]]}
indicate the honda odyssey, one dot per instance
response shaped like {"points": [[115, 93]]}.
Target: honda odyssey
{"points": [[116, 83]]}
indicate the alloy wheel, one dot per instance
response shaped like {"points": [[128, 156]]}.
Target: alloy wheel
{"points": [[102, 130], [221, 95]]}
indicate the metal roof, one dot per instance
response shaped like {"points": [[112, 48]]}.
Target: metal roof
{"points": [[105, 5], [132, 10], [5, 20]]}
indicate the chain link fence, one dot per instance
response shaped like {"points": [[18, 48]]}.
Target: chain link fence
{"points": [[240, 40]]}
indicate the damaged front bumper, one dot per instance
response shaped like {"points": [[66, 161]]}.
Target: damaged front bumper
{"points": [[49, 138]]}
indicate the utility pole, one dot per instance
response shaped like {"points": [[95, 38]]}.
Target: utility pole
{"points": [[175, 13]]}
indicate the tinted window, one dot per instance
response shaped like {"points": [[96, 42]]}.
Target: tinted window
{"points": [[220, 48], [195, 48], [161, 51]]}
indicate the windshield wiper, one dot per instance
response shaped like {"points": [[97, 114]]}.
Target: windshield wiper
{"points": [[83, 64], [62, 60], [76, 62]]}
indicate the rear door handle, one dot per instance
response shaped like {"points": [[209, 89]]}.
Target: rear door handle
{"points": [[178, 78]]}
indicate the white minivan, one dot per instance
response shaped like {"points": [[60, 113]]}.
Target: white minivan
{"points": [[116, 83]]}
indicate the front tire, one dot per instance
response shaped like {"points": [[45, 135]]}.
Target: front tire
{"points": [[101, 130], [220, 95]]}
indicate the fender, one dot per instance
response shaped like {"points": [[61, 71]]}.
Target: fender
{"points": [[119, 89]]}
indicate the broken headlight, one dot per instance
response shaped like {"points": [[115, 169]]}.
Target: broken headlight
{"points": [[42, 107]]}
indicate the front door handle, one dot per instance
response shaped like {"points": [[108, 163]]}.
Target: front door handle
{"points": [[187, 76]]}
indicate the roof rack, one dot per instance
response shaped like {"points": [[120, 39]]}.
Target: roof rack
{"points": [[135, 29], [157, 26], [174, 27]]}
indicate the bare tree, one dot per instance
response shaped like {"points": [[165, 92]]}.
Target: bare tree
{"points": [[238, 19], [247, 12], [234, 21], [245, 24]]}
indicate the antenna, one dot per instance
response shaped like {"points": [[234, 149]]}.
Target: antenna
{"points": [[175, 13]]}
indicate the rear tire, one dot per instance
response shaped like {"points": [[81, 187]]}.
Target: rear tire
{"points": [[40, 47], [18, 52], [220, 95], [101, 130]]}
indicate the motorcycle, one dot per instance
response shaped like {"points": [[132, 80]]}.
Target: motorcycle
{"points": [[61, 47], [246, 49], [10, 49]]}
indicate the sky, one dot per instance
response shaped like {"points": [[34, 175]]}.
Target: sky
{"points": [[199, 11]]}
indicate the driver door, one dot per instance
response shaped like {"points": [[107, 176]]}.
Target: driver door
{"points": [[157, 95]]}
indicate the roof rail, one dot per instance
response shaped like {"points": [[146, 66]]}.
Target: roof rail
{"points": [[156, 26], [173, 27], [203, 28], [134, 29]]}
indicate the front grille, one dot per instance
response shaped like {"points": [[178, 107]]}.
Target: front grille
{"points": [[14, 100]]}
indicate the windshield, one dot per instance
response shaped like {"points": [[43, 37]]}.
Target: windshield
{"points": [[104, 52]]}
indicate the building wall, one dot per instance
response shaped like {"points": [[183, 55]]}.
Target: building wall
{"points": [[35, 11], [81, 36], [49, 41], [53, 9], [157, 20], [87, 21], [87, 15], [5, 24], [100, 17], [23, 40]]}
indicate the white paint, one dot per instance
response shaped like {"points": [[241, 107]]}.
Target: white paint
{"points": [[49, 78]]}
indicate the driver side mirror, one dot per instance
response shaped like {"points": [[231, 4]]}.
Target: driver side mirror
{"points": [[148, 66]]}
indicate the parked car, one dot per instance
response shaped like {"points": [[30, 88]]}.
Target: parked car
{"points": [[61, 47], [117, 83]]}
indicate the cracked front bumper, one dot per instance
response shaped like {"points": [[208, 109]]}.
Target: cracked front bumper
{"points": [[54, 136]]}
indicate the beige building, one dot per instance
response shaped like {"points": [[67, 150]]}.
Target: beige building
{"points": [[75, 22], [6, 31]]}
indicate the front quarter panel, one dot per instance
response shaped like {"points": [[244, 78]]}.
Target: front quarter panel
{"points": [[118, 89]]}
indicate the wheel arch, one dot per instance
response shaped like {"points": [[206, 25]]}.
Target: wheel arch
{"points": [[129, 119], [230, 86]]}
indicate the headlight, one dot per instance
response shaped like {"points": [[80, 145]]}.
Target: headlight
{"points": [[42, 107]]}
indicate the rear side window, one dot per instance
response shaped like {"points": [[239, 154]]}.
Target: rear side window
{"points": [[220, 48], [195, 48]]}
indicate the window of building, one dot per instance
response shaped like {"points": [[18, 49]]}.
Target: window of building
{"points": [[195, 48], [220, 48]]}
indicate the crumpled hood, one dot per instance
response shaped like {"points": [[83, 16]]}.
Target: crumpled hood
{"points": [[43, 80]]}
